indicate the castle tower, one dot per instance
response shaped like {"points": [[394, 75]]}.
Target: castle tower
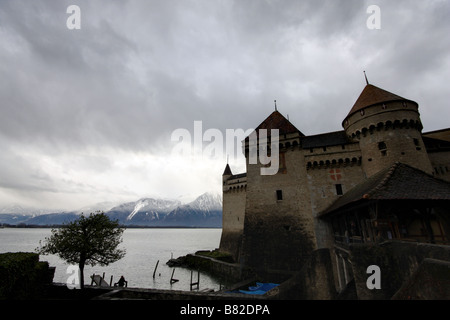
{"points": [[388, 129], [226, 174], [233, 211], [278, 228]]}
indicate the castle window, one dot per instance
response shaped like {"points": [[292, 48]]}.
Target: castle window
{"points": [[417, 144], [339, 189], [382, 145], [279, 195]]}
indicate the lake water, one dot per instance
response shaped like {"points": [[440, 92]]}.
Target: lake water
{"points": [[144, 247]]}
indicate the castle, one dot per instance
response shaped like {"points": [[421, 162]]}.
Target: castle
{"points": [[378, 179]]}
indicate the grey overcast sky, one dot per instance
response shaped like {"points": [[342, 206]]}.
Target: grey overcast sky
{"points": [[87, 115]]}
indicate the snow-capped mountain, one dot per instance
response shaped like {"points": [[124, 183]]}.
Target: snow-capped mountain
{"points": [[143, 212], [207, 202], [101, 206], [204, 211], [17, 214]]}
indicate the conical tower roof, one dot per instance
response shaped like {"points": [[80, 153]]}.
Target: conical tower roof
{"points": [[372, 95], [227, 171], [277, 121]]}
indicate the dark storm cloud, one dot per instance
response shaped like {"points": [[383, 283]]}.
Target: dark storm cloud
{"points": [[59, 85], [74, 89]]}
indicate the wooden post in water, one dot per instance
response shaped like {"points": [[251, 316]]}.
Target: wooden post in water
{"points": [[110, 281], [154, 271], [193, 284], [172, 280]]}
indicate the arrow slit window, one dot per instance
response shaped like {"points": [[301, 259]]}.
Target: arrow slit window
{"points": [[382, 147], [279, 195]]}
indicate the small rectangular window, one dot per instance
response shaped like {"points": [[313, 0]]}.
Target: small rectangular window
{"points": [[382, 145], [339, 189], [417, 144], [279, 195]]}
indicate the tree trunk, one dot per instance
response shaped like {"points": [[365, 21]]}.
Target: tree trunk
{"points": [[81, 267]]}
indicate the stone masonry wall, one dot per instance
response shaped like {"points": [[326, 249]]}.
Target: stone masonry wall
{"points": [[389, 135], [233, 215], [398, 261], [440, 161], [326, 181], [278, 234]]}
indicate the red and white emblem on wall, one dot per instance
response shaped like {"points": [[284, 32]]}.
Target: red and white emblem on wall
{"points": [[335, 174]]}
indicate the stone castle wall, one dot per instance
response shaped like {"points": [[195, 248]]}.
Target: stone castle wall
{"points": [[278, 229], [440, 161], [233, 214], [326, 185]]}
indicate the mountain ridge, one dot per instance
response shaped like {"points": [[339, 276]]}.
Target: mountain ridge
{"points": [[204, 211]]}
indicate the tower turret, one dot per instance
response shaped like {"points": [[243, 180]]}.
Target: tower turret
{"points": [[388, 129], [226, 173]]}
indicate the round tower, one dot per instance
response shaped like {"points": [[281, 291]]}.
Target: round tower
{"points": [[388, 129]]}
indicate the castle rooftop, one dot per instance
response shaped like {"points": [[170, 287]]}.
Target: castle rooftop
{"points": [[227, 171], [372, 95], [277, 121], [325, 140], [398, 182]]}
